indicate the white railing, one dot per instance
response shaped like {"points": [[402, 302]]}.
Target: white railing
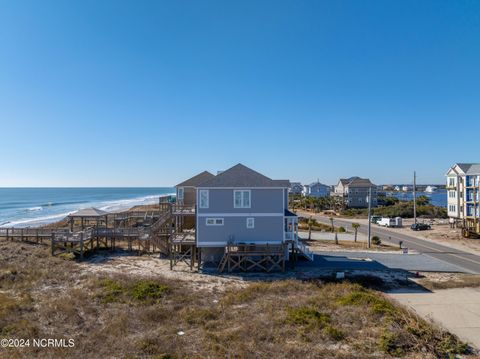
{"points": [[303, 248]]}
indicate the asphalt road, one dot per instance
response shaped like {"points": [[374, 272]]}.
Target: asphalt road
{"points": [[468, 261]]}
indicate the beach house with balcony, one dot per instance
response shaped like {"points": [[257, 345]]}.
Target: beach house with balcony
{"points": [[242, 206], [238, 208], [463, 197]]}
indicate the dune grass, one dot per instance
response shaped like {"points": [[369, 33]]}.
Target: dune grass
{"points": [[124, 316]]}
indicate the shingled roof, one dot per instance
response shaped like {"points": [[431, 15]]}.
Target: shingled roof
{"points": [[469, 168], [242, 176], [197, 180]]}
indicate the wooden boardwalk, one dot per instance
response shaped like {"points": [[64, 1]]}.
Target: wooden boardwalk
{"points": [[149, 230]]}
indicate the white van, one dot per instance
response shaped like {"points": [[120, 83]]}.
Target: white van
{"points": [[387, 222]]}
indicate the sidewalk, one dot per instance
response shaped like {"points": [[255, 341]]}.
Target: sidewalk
{"points": [[457, 310]]}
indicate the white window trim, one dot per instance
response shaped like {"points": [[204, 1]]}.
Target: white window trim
{"points": [[200, 198], [182, 191], [214, 221], [249, 196], [252, 221]]}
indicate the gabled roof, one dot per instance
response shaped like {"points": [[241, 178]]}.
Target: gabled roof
{"points": [[356, 182], [242, 176], [467, 168], [345, 181], [88, 212], [197, 180], [361, 182]]}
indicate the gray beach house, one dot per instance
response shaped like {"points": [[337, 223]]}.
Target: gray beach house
{"points": [[240, 205]]}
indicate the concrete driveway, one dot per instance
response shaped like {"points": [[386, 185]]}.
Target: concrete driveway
{"points": [[457, 310], [343, 260]]}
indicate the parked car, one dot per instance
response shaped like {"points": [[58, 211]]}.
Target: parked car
{"points": [[375, 219], [420, 227]]}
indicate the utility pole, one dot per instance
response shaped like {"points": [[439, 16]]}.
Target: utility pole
{"points": [[414, 197], [369, 216]]}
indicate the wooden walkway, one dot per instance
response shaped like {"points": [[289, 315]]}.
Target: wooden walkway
{"points": [[149, 230]]}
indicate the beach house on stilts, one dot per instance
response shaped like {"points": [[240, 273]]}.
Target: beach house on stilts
{"points": [[242, 222]]}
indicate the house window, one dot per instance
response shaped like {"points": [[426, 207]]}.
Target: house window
{"points": [[452, 208], [241, 199], [451, 181], [452, 194], [250, 223], [214, 222], [180, 193], [204, 198]]}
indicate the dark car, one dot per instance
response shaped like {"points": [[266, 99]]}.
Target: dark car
{"points": [[420, 227]]}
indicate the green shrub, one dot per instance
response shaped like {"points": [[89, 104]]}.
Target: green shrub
{"points": [[307, 316], [141, 291], [389, 344], [334, 333], [341, 230], [112, 291], [376, 240], [376, 302], [148, 291]]}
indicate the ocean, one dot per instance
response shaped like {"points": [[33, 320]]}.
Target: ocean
{"points": [[24, 207], [437, 198]]}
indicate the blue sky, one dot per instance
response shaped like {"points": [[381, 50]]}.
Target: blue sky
{"points": [[147, 93]]}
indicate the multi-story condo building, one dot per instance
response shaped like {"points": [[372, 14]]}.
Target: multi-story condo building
{"points": [[463, 198], [317, 189], [355, 191]]}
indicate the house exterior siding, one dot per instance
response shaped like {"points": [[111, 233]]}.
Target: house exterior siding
{"points": [[266, 207], [463, 196], [234, 229]]}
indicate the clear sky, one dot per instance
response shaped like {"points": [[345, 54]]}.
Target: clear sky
{"points": [[147, 93]]}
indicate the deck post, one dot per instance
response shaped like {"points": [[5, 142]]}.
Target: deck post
{"points": [[7, 234], [199, 251], [53, 243], [81, 246], [21, 233]]}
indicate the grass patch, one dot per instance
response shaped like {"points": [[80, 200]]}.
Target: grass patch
{"points": [[462, 281], [364, 297], [148, 291], [141, 291], [334, 333], [307, 316], [279, 319], [68, 256]]}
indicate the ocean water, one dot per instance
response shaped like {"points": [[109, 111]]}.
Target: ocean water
{"points": [[24, 207], [437, 198]]}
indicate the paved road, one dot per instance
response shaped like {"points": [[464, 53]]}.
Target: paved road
{"points": [[470, 262]]}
